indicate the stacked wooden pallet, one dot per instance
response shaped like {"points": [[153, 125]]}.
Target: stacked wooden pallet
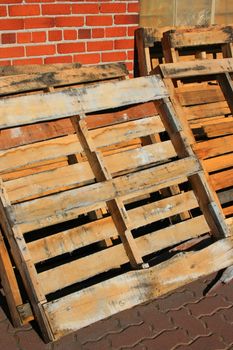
{"points": [[166, 45], [90, 216]]}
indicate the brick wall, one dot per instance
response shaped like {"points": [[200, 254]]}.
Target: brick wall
{"points": [[57, 31]]}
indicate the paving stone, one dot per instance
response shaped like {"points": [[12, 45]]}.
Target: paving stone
{"points": [[30, 340], [208, 306], [191, 325], [211, 342], [130, 336], [167, 340], [226, 290], [98, 330], [129, 317], [228, 314], [103, 344], [7, 341], [157, 320], [217, 325], [175, 301]]}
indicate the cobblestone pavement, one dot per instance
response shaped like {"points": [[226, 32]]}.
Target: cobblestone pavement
{"points": [[183, 320]]}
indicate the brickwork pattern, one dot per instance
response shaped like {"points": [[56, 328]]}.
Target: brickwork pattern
{"points": [[61, 31], [183, 320]]}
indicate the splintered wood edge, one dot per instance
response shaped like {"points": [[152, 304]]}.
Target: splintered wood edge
{"points": [[195, 68], [85, 307], [30, 109]]}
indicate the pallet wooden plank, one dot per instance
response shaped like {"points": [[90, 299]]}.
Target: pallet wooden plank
{"points": [[34, 108], [58, 77], [207, 110], [12, 159], [78, 174], [41, 151], [222, 180], [214, 147], [36, 68], [220, 162], [196, 68], [200, 97], [44, 211], [219, 129], [200, 36], [81, 309], [72, 239], [9, 283], [84, 268]]}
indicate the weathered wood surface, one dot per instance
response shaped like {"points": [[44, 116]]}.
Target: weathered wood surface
{"points": [[81, 308], [28, 134], [36, 108], [66, 177], [36, 68], [56, 208], [37, 80], [196, 68], [200, 36]]}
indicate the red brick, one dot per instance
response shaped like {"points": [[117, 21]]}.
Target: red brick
{"points": [[10, 1], [38, 37], [73, 21], [11, 52], [56, 9], [99, 45], [130, 55], [38, 50], [11, 24], [26, 61], [58, 59], [124, 44], [3, 11], [85, 8], [133, 7], [113, 56], [8, 38], [129, 66], [99, 21], [39, 1], [98, 33], [5, 63], [115, 31], [91, 58], [55, 35], [115, 7], [24, 37], [70, 34], [126, 19], [131, 30], [84, 33], [71, 47], [24, 10], [39, 22]]}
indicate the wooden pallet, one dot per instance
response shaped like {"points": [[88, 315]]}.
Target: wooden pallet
{"points": [[198, 42], [22, 80], [207, 108], [166, 44], [71, 279]]}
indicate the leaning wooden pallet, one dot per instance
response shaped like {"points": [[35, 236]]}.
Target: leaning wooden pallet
{"points": [[208, 111], [159, 45], [197, 41], [21, 80], [71, 281]]}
